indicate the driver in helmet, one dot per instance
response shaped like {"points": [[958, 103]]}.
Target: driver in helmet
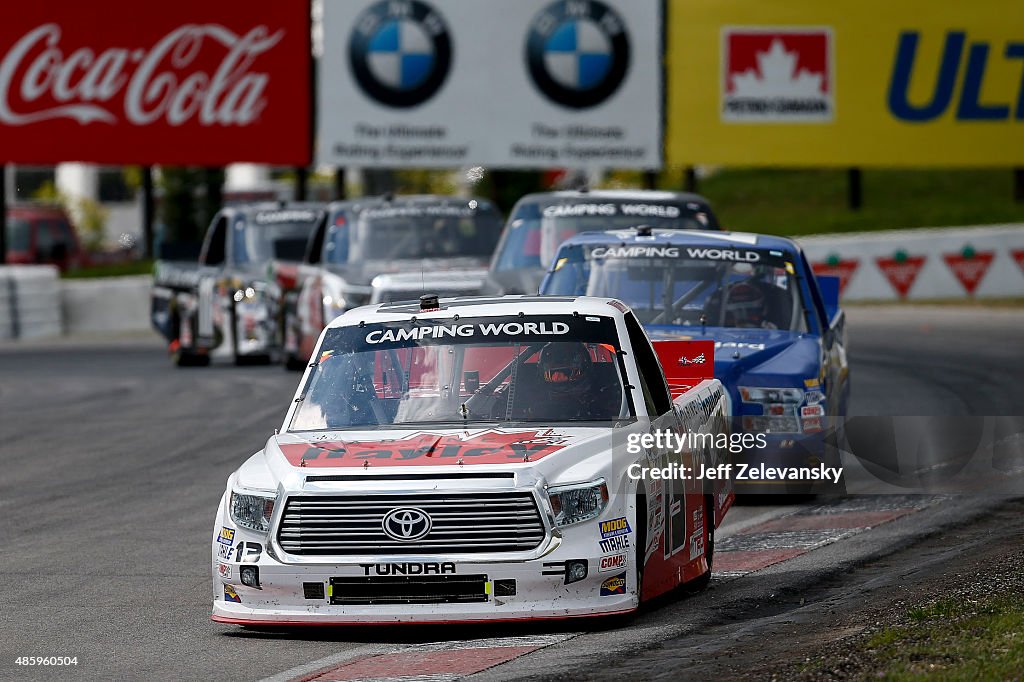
{"points": [[570, 386], [746, 306]]}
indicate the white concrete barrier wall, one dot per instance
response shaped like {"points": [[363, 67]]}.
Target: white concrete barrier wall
{"points": [[923, 264], [29, 301], [6, 307], [108, 304]]}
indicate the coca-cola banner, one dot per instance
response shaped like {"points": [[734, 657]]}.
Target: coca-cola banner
{"points": [[192, 83]]}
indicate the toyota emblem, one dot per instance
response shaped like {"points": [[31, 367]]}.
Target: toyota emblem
{"points": [[406, 524]]}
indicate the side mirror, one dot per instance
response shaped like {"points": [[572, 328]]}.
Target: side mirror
{"points": [[828, 285]]}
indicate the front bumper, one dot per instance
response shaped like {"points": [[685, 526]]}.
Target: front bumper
{"points": [[281, 596]]}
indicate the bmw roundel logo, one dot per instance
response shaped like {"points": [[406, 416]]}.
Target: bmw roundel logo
{"points": [[578, 52], [400, 52]]}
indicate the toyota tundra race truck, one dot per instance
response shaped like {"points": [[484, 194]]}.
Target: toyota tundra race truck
{"points": [[381, 249], [778, 331], [227, 304], [475, 459]]}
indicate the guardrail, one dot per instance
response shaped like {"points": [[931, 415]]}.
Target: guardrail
{"points": [[923, 264]]}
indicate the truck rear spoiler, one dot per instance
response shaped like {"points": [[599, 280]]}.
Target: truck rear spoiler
{"points": [[685, 363]]}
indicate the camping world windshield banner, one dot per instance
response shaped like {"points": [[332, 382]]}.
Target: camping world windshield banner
{"points": [[208, 83]]}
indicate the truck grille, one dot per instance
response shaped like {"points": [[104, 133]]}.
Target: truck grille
{"points": [[423, 589], [461, 523]]}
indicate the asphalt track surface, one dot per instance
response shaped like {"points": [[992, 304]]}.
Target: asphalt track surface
{"points": [[113, 463]]}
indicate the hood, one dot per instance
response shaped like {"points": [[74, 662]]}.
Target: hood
{"points": [[444, 447], [365, 272], [771, 354], [408, 285]]}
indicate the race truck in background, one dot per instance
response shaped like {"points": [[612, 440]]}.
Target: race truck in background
{"points": [[779, 334], [227, 304], [381, 249], [433, 467], [540, 222]]}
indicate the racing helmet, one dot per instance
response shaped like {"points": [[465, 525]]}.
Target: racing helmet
{"points": [[745, 305], [564, 364]]}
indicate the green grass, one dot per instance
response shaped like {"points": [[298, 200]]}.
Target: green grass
{"points": [[958, 638], [800, 202], [141, 267], [814, 201]]}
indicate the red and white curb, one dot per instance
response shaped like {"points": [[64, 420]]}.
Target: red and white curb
{"points": [[785, 537], [430, 662], [757, 546]]}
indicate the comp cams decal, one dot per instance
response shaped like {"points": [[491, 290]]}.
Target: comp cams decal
{"points": [[612, 562]]}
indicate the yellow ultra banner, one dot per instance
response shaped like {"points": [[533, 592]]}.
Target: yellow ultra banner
{"points": [[845, 82]]}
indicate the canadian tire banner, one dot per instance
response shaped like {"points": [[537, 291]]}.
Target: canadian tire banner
{"points": [[208, 83]]}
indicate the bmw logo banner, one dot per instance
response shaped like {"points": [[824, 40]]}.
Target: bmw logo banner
{"points": [[523, 84]]}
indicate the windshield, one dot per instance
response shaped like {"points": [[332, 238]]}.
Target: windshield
{"points": [[270, 232], [462, 229], [536, 231], [545, 369], [674, 285]]}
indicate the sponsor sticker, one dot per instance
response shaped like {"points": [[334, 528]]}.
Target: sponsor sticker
{"points": [[231, 595], [612, 563], [618, 543], [615, 527], [224, 552], [227, 536], [224, 570], [697, 537], [614, 585]]}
